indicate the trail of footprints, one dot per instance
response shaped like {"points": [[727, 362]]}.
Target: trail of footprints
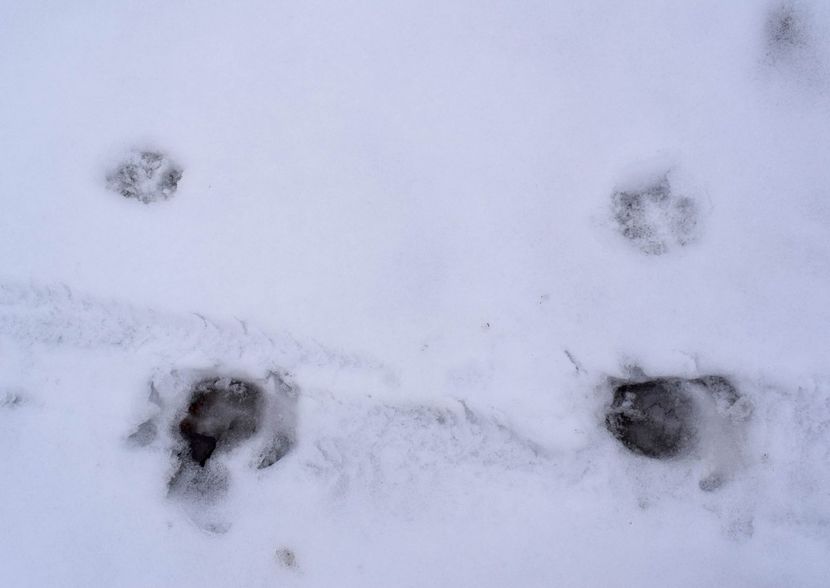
{"points": [[204, 417]]}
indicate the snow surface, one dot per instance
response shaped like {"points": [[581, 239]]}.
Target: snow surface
{"points": [[406, 208]]}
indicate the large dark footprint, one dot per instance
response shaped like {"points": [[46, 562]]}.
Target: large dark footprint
{"points": [[222, 413], [664, 417], [652, 418]]}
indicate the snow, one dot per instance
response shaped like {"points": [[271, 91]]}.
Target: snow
{"points": [[406, 210]]}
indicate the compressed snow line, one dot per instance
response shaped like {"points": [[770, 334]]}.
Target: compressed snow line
{"points": [[54, 315]]}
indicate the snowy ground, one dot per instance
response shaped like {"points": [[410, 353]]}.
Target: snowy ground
{"points": [[434, 230]]}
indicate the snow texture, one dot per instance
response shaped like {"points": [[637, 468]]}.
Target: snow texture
{"points": [[440, 294]]}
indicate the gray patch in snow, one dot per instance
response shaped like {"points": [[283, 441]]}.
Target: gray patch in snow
{"points": [[144, 434], [286, 558], [711, 482], [278, 448], [205, 484], [395, 451], [11, 399], [786, 30], [146, 176], [741, 528], [792, 45], [654, 216]]}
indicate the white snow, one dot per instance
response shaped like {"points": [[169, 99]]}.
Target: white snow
{"points": [[406, 207]]}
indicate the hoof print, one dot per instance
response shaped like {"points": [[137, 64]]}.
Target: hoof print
{"points": [[668, 417], [652, 418]]}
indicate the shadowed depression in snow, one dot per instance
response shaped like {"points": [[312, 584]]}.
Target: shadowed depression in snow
{"points": [[222, 413], [661, 417]]}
